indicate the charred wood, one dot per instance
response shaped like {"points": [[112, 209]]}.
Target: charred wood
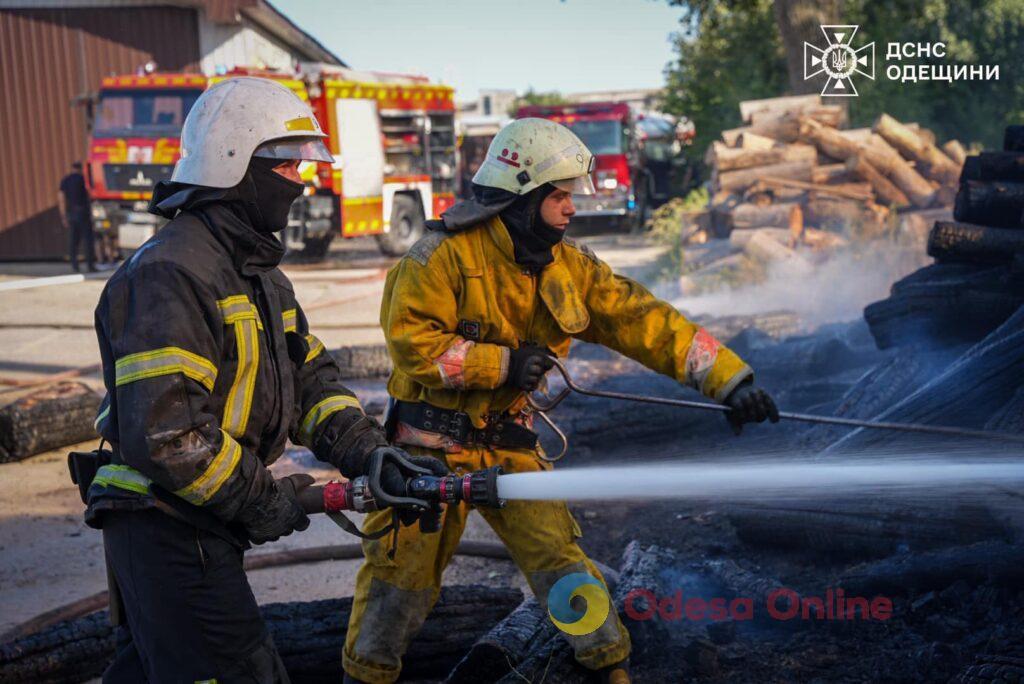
{"points": [[853, 530], [990, 561], [993, 203], [967, 393], [945, 304], [994, 166], [1013, 139], [950, 241], [309, 636]]}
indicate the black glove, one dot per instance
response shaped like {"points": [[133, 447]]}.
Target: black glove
{"points": [[394, 475], [749, 404], [278, 514], [527, 365]]}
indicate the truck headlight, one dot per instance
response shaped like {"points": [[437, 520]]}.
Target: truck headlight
{"points": [[99, 211]]}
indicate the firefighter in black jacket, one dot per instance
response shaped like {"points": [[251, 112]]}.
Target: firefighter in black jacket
{"points": [[209, 368]]}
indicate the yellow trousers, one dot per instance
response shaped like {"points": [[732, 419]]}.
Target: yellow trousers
{"points": [[393, 597]]}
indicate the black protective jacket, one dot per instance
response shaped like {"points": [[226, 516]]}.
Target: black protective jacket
{"points": [[209, 368]]}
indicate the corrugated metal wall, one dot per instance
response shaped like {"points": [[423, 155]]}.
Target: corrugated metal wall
{"points": [[48, 57]]}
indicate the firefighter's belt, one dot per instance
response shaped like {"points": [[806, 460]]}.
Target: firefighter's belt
{"points": [[457, 426]]}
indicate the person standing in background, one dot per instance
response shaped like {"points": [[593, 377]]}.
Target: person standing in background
{"points": [[73, 201]]}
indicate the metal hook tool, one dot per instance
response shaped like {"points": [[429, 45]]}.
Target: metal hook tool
{"points": [[543, 404]]}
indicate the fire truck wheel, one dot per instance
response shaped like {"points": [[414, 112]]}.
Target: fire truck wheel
{"points": [[406, 227]]}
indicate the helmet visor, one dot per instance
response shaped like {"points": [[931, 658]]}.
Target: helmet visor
{"points": [[580, 185], [303, 149]]}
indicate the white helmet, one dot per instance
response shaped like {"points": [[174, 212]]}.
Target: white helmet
{"points": [[528, 153], [238, 119]]}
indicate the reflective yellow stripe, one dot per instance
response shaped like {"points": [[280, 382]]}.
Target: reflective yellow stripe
{"points": [[239, 402], [303, 123], [322, 410], [209, 483], [290, 320], [239, 312], [238, 308], [165, 361], [315, 347], [122, 477]]}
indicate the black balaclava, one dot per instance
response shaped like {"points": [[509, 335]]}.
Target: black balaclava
{"points": [[532, 239], [273, 197], [262, 198], [243, 217]]}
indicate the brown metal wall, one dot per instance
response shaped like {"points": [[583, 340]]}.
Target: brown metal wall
{"points": [[47, 57]]}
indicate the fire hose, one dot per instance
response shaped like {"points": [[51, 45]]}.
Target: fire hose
{"points": [[542, 404]]}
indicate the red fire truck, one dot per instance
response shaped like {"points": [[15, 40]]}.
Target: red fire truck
{"points": [[637, 157], [392, 137]]}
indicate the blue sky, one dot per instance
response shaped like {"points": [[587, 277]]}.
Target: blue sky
{"points": [[570, 46]]}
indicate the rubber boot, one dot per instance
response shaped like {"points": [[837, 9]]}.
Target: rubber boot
{"points": [[616, 674]]}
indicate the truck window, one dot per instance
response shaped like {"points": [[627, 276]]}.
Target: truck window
{"points": [[600, 137], [143, 113]]}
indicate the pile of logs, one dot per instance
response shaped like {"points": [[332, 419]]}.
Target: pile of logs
{"points": [[794, 154], [977, 282]]}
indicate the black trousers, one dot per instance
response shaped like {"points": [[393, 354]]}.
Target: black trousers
{"points": [[81, 232], [191, 615]]}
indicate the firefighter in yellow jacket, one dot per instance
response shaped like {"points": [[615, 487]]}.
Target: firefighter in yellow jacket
{"points": [[472, 315]]}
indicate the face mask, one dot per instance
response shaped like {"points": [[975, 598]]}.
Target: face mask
{"points": [[274, 195]]}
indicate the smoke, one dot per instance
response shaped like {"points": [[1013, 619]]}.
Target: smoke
{"points": [[834, 290]]}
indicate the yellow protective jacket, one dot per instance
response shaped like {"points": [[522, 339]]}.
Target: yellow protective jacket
{"points": [[457, 302]]}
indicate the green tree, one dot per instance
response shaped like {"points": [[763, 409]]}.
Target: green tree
{"points": [[731, 50], [532, 97], [727, 52]]}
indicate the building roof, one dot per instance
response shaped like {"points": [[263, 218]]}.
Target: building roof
{"points": [[260, 12]]}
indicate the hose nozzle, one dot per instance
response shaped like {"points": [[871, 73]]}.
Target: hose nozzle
{"points": [[479, 488]]}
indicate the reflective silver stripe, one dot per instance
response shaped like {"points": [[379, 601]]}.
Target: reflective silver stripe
{"points": [[165, 361], [202, 489], [235, 307], [321, 411], [291, 319], [122, 477], [239, 308], [239, 401], [101, 417]]}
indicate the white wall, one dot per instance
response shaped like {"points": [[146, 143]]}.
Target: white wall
{"points": [[228, 46]]}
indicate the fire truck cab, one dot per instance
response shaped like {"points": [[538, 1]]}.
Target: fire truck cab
{"points": [[135, 142], [607, 129], [636, 157], [392, 137]]}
